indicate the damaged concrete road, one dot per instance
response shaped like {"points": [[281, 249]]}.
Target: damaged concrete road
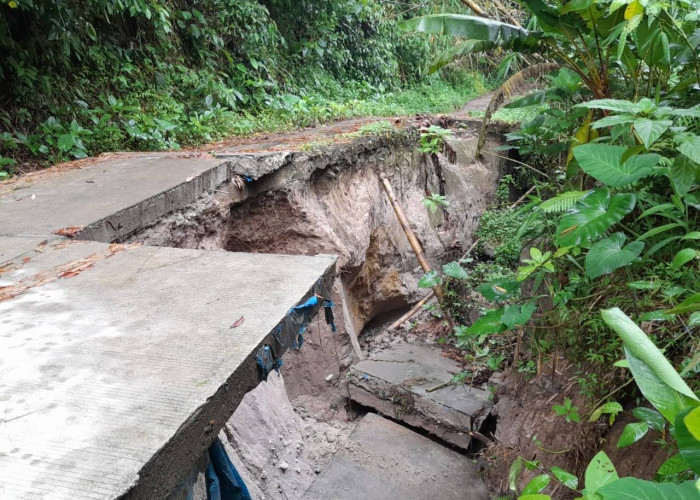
{"points": [[114, 379], [119, 364], [401, 382], [386, 460]]}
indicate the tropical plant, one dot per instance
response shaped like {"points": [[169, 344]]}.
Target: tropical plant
{"points": [[432, 139], [665, 389], [645, 44]]}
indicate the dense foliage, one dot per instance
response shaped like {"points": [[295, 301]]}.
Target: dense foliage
{"points": [[81, 77], [612, 223]]}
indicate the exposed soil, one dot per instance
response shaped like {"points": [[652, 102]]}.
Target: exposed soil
{"points": [[527, 427]]}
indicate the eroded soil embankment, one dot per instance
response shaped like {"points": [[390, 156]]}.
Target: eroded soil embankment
{"points": [[331, 202]]}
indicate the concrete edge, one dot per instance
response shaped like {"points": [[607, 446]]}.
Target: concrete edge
{"points": [[120, 225], [170, 465]]}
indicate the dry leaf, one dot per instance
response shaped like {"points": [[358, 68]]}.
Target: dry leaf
{"points": [[238, 323], [69, 274], [26, 259], [68, 231]]}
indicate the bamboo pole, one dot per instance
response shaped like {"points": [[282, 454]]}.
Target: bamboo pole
{"points": [[502, 9], [473, 6], [413, 241]]}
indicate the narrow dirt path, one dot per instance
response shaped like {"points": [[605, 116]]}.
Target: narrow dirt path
{"points": [[336, 132]]}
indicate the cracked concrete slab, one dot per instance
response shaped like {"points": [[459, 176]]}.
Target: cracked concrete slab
{"points": [[118, 363], [396, 383], [385, 460], [108, 199]]}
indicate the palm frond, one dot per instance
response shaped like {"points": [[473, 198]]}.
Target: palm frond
{"points": [[561, 203]]}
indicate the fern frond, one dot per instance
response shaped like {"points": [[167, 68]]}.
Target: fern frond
{"points": [[511, 86], [561, 203]]}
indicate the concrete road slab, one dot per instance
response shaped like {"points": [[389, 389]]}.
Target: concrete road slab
{"points": [[109, 199], [395, 382], [118, 364], [386, 460]]}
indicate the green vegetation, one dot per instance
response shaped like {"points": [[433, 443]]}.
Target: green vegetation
{"points": [[82, 77], [612, 221], [432, 139], [599, 263]]}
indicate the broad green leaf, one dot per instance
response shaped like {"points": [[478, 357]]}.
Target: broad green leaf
{"points": [[600, 471], [429, 280], [638, 489], [683, 257], [690, 112], [688, 436], [655, 316], [668, 401], [516, 315], [66, 142], [683, 173], [611, 407], [610, 121], [673, 465], [472, 27], [633, 10], [592, 216], [535, 496], [488, 323], [632, 433], [608, 255], [649, 130], [651, 417], [574, 5], [569, 480], [498, 289], [454, 270], [690, 147], [604, 163], [640, 345], [617, 105], [692, 423], [537, 484]]}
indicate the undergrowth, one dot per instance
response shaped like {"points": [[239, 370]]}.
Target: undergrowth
{"points": [[82, 78]]}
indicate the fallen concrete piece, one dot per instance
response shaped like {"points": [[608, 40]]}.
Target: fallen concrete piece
{"points": [[395, 382], [119, 363], [386, 460]]}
